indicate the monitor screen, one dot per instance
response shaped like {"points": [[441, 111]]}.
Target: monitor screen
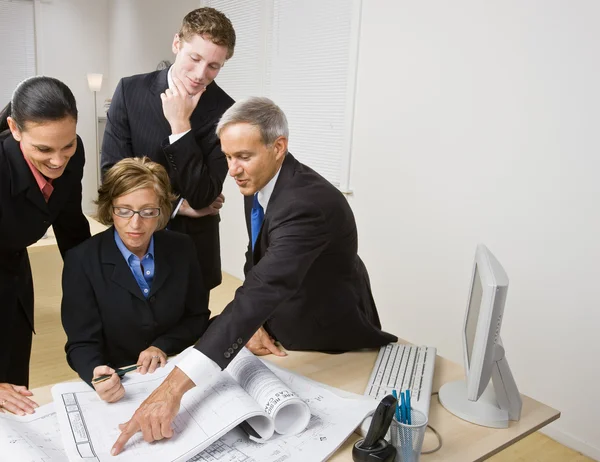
{"points": [[483, 352], [473, 314]]}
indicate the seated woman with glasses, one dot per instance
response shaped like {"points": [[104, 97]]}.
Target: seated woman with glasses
{"points": [[131, 294]]}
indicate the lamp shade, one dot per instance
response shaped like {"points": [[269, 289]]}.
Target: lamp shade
{"points": [[94, 81]]}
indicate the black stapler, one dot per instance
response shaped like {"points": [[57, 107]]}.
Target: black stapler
{"points": [[374, 448]]}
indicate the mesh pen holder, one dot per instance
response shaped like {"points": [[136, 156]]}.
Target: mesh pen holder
{"points": [[408, 439]]}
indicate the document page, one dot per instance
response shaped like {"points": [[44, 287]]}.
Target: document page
{"points": [[90, 426], [335, 415], [31, 438]]}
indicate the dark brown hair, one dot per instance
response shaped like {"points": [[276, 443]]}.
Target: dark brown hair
{"points": [[210, 24]]}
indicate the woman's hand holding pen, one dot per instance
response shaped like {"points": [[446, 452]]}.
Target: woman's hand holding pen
{"points": [[150, 359], [110, 390], [13, 398]]}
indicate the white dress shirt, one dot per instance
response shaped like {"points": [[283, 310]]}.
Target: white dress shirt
{"points": [[196, 365]]}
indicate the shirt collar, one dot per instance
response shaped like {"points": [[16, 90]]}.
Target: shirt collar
{"points": [[170, 78], [127, 253], [264, 195]]}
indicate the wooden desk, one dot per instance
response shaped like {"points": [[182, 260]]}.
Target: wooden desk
{"points": [[463, 442]]}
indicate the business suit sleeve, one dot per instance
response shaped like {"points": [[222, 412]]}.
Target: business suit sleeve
{"points": [[248, 262], [198, 164], [116, 143], [295, 241], [195, 320], [71, 227], [81, 319]]}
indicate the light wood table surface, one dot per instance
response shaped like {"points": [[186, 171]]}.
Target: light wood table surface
{"points": [[462, 441]]}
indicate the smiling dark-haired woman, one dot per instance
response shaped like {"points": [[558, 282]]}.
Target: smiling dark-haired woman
{"points": [[41, 166]]}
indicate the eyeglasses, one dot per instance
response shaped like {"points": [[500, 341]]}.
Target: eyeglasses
{"points": [[124, 212]]}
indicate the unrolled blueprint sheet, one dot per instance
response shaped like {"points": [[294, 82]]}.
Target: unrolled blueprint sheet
{"points": [[31, 438], [90, 426]]}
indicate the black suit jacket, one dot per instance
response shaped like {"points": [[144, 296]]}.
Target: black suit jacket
{"points": [[105, 315], [24, 218], [136, 126], [304, 280]]}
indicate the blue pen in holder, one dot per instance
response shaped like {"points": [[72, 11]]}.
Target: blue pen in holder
{"points": [[408, 438]]}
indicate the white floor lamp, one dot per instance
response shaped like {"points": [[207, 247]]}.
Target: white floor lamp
{"points": [[95, 84]]}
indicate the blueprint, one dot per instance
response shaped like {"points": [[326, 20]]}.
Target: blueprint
{"points": [[335, 415], [31, 438], [89, 426], [80, 427]]}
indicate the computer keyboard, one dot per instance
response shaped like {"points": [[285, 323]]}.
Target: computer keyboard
{"points": [[403, 367]]}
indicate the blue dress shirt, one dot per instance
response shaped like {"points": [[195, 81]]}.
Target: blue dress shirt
{"points": [[142, 270]]}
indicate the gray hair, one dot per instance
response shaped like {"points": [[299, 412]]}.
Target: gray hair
{"points": [[260, 112]]}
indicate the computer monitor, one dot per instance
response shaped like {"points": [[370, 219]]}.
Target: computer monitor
{"points": [[474, 399]]}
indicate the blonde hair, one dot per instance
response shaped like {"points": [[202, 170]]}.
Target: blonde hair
{"points": [[210, 24], [129, 175]]}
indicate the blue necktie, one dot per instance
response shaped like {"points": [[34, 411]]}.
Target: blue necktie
{"points": [[256, 219]]}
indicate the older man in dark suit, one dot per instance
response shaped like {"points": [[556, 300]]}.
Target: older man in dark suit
{"points": [[305, 285], [170, 116]]}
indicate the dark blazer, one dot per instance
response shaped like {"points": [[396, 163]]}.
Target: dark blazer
{"points": [[136, 127], [106, 317], [304, 281], [24, 218]]}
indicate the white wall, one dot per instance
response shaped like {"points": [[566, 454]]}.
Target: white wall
{"points": [[477, 122], [141, 33], [71, 38]]}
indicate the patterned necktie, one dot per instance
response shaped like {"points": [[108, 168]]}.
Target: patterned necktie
{"points": [[256, 219]]}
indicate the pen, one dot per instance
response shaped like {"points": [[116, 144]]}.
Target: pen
{"points": [[407, 420], [119, 372], [408, 416], [396, 408], [402, 408]]}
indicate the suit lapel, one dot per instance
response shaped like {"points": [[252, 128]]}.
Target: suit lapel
{"points": [[36, 197], [286, 172], [162, 263], [121, 274], [159, 85], [23, 180]]}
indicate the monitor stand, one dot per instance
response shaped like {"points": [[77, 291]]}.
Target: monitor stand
{"points": [[499, 402]]}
